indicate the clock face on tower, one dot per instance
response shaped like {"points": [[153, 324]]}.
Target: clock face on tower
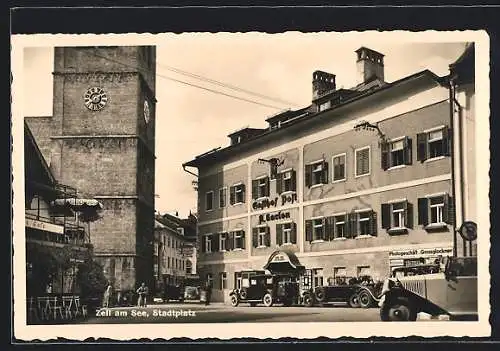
{"points": [[95, 99], [146, 111]]}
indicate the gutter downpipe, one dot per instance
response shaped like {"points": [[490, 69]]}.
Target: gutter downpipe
{"points": [[454, 103]]}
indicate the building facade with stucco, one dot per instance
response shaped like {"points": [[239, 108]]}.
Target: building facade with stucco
{"points": [[357, 183]]}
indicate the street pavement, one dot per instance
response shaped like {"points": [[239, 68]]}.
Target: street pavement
{"points": [[220, 313]]}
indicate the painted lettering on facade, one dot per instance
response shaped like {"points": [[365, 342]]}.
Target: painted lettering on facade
{"points": [[277, 201], [273, 217], [421, 252]]}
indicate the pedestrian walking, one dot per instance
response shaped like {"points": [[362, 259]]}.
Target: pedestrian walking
{"points": [[107, 296], [208, 292], [142, 292]]}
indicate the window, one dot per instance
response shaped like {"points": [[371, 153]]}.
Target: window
{"points": [[209, 201], [156, 249], [237, 194], [222, 197], [209, 279], [180, 230], [168, 241], [260, 187], [239, 240], [238, 279], [261, 237], [189, 267], [435, 210], [364, 223], [207, 243], [286, 181], [316, 173], [396, 153], [339, 272], [340, 226], [168, 262], [325, 106], [363, 271], [318, 276], [397, 216], [223, 280], [362, 162], [286, 233], [433, 144], [339, 170], [222, 241]]}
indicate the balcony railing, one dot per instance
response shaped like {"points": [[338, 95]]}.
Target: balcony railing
{"points": [[58, 230]]}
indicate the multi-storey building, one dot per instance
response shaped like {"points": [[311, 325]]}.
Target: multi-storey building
{"points": [[174, 250], [357, 183], [100, 139]]}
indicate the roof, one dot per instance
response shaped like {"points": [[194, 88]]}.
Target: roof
{"points": [[220, 153], [28, 135], [463, 68]]}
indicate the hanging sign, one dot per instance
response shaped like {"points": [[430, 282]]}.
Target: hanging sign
{"points": [[48, 227]]}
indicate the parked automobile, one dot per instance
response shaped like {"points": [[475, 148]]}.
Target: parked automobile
{"points": [[192, 293], [341, 290], [267, 289], [452, 292], [173, 292]]}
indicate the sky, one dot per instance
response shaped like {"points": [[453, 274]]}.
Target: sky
{"points": [[191, 121]]}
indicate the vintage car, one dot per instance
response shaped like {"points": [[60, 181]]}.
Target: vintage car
{"points": [[452, 292], [341, 290], [267, 289], [370, 293]]}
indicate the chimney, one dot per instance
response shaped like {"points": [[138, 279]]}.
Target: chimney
{"points": [[370, 65], [323, 83]]}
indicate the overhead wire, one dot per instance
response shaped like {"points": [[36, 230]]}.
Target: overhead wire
{"points": [[188, 83]]}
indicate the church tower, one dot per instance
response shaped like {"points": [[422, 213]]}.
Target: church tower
{"points": [[103, 143]]}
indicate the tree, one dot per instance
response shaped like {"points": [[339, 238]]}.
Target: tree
{"points": [[91, 279]]}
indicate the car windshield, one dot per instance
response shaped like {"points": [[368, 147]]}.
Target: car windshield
{"points": [[191, 289]]}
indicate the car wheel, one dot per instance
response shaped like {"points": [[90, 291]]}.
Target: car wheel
{"points": [[320, 295], [365, 299], [243, 294], [234, 300], [267, 300], [354, 301], [399, 310], [308, 300]]}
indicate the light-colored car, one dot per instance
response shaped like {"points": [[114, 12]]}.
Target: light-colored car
{"points": [[452, 292]]}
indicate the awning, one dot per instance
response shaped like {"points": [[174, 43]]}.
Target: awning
{"points": [[88, 208], [78, 204], [283, 262]]}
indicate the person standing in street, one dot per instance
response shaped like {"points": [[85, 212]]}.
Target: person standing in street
{"points": [[142, 292], [208, 291], [107, 296]]}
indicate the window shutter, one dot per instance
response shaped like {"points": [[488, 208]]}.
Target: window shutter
{"points": [[230, 241], [421, 147], [408, 151], [384, 159], [294, 181], [268, 237], [203, 244], [215, 242], [373, 223], [279, 234], [255, 237], [447, 135], [279, 183], [448, 210], [386, 216], [324, 175], [232, 195], [293, 234], [309, 231], [243, 240], [255, 189], [330, 228], [308, 174], [423, 211], [266, 192], [409, 215]]}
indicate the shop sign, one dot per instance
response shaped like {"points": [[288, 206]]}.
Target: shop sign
{"points": [[273, 217], [427, 252], [277, 201], [48, 227]]}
